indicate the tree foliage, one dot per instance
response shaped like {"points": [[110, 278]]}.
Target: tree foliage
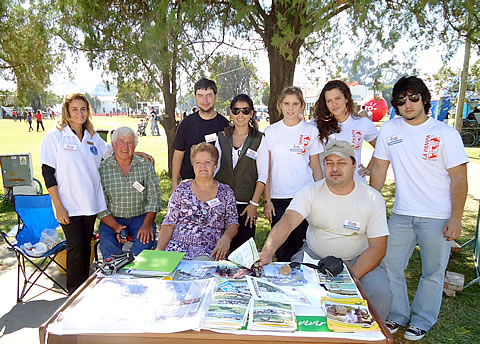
{"points": [[27, 56], [234, 75], [146, 41]]}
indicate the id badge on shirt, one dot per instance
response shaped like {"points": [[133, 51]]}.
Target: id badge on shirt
{"points": [[139, 187], [69, 147], [297, 148], [351, 224], [393, 140], [251, 154], [213, 202], [211, 138]]}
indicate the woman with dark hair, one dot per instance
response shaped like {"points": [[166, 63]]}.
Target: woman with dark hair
{"points": [[294, 162], [243, 165], [335, 118]]}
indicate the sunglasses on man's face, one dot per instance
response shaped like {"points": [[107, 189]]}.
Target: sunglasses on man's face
{"points": [[412, 97], [245, 111]]}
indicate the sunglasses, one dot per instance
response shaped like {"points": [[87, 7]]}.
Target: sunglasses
{"points": [[412, 97], [245, 111]]}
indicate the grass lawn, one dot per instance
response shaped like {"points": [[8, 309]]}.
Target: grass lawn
{"points": [[459, 317]]}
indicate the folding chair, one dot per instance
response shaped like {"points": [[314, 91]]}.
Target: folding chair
{"points": [[35, 214]]}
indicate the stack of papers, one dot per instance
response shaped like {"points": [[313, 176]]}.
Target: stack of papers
{"points": [[227, 311], [272, 316], [154, 263]]}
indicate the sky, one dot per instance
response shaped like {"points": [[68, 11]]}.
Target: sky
{"points": [[85, 79]]}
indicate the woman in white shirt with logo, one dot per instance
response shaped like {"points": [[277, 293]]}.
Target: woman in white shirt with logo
{"points": [[70, 154], [294, 161], [335, 119]]}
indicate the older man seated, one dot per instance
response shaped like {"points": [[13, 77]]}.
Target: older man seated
{"points": [[132, 194]]}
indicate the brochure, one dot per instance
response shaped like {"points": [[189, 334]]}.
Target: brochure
{"points": [[262, 289], [271, 316], [245, 255], [227, 311]]}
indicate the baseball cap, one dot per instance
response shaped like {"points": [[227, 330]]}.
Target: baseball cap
{"points": [[340, 148]]}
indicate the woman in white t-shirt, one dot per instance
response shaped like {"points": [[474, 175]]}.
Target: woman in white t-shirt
{"points": [[294, 162], [335, 119], [70, 154]]}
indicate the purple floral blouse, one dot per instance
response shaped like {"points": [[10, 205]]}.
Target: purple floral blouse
{"points": [[198, 226]]}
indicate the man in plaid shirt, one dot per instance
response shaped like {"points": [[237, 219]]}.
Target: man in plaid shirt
{"points": [[132, 194]]}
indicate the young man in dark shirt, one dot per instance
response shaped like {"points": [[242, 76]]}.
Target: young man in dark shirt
{"points": [[200, 126]]}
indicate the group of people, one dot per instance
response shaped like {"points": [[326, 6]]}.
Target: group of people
{"points": [[311, 179]]}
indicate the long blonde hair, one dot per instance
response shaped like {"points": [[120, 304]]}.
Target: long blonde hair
{"points": [[65, 119], [290, 90]]}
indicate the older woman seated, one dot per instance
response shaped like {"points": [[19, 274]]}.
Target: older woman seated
{"points": [[202, 214]]}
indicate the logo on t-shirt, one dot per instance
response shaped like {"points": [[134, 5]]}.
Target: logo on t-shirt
{"points": [[303, 142], [356, 139], [430, 148]]}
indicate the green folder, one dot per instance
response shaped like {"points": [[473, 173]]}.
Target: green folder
{"points": [[154, 263]]}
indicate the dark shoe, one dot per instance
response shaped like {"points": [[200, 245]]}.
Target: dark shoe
{"points": [[392, 326], [414, 333]]}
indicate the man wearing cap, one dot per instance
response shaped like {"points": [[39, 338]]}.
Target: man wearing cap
{"points": [[347, 219]]}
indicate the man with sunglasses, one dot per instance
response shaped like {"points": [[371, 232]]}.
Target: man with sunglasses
{"points": [[429, 163], [201, 126]]}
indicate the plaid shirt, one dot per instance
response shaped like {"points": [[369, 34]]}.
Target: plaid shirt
{"points": [[122, 199]]}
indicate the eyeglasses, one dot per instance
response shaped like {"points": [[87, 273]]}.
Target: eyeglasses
{"points": [[412, 97], [245, 111]]}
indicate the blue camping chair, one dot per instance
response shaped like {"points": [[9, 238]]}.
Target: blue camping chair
{"points": [[35, 214]]}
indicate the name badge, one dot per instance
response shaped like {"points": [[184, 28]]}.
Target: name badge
{"points": [[69, 147], [252, 154], [393, 140], [297, 148], [211, 137], [139, 187], [213, 202], [90, 143], [351, 224]]}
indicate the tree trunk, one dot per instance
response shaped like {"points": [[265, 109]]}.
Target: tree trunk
{"points": [[282, 72], [168, 119]]}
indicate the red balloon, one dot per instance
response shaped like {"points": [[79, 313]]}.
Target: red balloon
{"points": [[378, 106]]}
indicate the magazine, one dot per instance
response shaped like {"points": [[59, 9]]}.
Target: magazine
{"points": [[343, 317]]}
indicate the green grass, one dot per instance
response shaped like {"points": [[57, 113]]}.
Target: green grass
{"points": [[460, 315]]}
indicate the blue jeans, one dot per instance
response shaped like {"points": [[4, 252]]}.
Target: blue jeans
{"points": [[405, 233], [108, 241]]}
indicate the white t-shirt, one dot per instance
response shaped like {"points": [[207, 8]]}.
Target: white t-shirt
{"points": [[355, 130], [76, 169], [290, 149], [420, 156], [340, 225]]}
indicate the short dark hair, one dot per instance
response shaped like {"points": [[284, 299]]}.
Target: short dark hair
{"points": [[411, 84], [205, 84]]}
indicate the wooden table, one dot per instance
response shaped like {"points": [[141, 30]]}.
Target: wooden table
{"points": [[186, 337]]}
